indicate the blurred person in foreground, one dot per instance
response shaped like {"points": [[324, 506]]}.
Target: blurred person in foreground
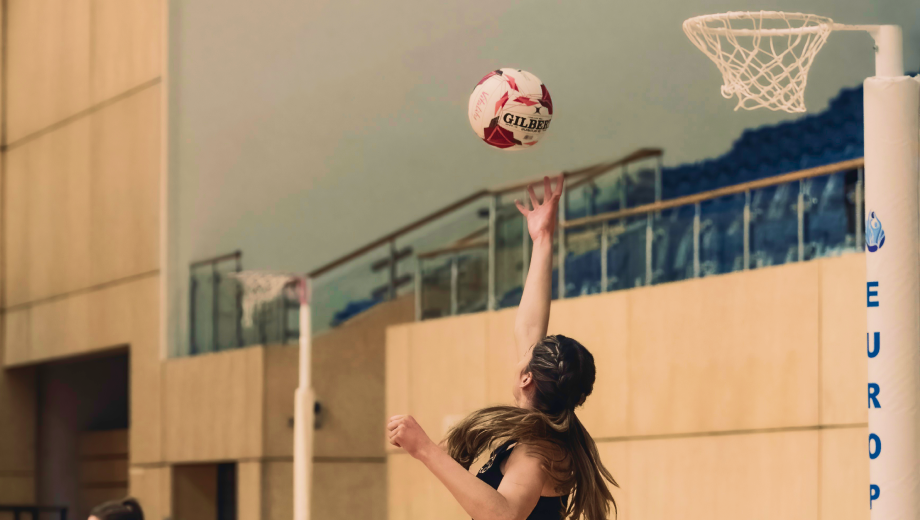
{"points": [[545, 466], [124, 509]]}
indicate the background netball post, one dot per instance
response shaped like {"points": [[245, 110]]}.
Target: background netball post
{"points": [[764, 59]]}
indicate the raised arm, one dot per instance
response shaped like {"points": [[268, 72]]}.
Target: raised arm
{"points": [[533, 314]]}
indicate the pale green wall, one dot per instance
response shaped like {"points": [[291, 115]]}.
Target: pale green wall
{"points": [[300, 130]]}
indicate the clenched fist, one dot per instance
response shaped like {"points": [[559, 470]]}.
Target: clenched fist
{"points": [[404, 432]]}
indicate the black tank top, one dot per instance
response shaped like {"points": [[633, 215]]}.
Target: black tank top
{"points": [[547, 508]]}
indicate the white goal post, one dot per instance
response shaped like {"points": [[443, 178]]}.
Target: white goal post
{"points": [[764, 59]]}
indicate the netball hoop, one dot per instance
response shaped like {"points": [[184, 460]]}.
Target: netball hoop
{"points": [[764, 59], [764, 56], [261, 288]]}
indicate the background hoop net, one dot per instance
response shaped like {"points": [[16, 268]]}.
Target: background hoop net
{"points": [[262, 287], [763, 56]]}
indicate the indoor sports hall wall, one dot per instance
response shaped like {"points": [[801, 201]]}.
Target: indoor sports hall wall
{"points": [[735, 396], [302, 130]]}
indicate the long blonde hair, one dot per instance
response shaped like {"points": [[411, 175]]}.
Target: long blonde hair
{"points": [[563, 374]]}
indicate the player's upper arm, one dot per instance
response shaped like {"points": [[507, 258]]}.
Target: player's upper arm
{"points": [[522, 482]]}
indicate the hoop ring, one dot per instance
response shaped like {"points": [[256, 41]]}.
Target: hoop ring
{"points": [[698, 23]]}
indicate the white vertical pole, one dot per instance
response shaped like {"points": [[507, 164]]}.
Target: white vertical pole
{"points": [[303, 416], [892, 144]]}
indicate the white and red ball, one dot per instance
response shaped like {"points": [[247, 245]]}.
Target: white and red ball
{"points": [[510, 109]]}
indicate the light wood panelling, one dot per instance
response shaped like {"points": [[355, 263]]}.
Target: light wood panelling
{"points": [[349, 490], [447, 360], [214, 406], [615, 457], [844, 474], [348, 378], [397, 375], [49, 196], [48, 63], [757, 476], [604, 414], [844, 361], [152, 487], [278, 490], [126, 45], [729, 352], [249, 490], [415, 494], [501, 356], [80, 324], [126, 172], [281, 379], [84, 202]]}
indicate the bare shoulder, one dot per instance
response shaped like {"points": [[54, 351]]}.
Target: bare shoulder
{"points": [[525, 458]]}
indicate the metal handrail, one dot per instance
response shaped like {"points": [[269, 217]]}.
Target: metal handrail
{"points": [[716, 193], [587, 172], [33, 511], [651, 210]]}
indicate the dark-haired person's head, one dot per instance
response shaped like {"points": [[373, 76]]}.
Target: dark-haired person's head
{"points": [[123, 509], [556, 376]]}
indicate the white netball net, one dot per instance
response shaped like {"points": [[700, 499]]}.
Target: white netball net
{"points": [[763, 56], [263, 287]]}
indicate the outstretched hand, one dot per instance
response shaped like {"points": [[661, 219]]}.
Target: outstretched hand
{"points": [[541, 220]]}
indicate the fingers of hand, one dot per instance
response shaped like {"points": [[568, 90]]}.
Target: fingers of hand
{"points": [[534, 202], [521, 207], [560, 181]]}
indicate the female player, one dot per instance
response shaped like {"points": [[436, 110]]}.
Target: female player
{"points": [[544, 457]]}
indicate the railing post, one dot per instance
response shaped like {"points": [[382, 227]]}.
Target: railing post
{"points": [[604, 248], [747, 230], [454, 274], [800, 216], [860, 193], [393, 256], [697, 209], [192, 315], [649, 235], [623, 184], [418, 289], [493, 209], [525, 248], [215, 293], [561, 225], [239, 304]]}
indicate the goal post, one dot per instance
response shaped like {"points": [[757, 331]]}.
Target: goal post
{"points": [[263, 287], [764, 59]]}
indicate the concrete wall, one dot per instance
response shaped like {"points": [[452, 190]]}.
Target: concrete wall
{"points": [[735, 396]]}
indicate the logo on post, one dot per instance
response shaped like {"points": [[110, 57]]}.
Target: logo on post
{"points": [[875, 235]]}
